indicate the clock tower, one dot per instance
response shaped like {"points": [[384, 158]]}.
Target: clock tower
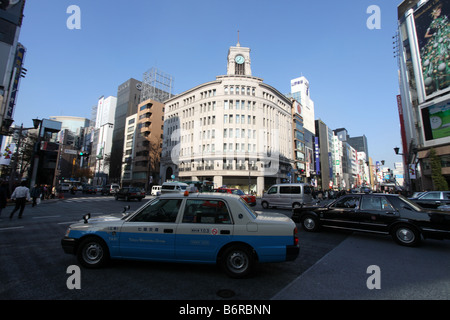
{"points": [[239, 61]]}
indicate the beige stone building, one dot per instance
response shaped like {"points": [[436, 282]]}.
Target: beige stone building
{"points": [[142, 145], [234, 131]]}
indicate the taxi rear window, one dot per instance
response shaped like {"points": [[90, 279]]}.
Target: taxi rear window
{"points": [[206, 211], [249, 210]]}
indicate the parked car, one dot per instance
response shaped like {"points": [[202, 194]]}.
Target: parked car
{"points": [[130, 193], [156, 190], [89, 189], [193, 227], [65, 187], [251, 200], [174, 187], [432, 199], [288, 195], [388, 214]]}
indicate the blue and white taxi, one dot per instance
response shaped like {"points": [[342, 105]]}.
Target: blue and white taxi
{"points": [[198, 227]]}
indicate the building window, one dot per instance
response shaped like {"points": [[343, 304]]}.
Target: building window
{"points": [[239, 69]]}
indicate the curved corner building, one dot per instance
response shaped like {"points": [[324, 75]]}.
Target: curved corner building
{"points": [[234, 131]]}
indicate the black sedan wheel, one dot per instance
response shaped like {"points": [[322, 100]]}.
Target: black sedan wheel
{"points": [[310, 223], [406, 235]]}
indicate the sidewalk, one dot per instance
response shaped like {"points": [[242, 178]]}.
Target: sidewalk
{"points": [[405, 273], [13, 203]]}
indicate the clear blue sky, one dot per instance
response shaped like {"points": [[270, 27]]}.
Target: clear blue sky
{"points": [[351, 69]]}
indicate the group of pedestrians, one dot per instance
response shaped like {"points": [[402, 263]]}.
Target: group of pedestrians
{"points": [[21, 195], [327, 194]]}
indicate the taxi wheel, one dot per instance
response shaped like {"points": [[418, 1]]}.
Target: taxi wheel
{"points": [[93, 253], [238, 261]]}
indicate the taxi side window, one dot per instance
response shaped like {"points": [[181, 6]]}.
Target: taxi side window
{"points": [[206, 211], [159, 211]]}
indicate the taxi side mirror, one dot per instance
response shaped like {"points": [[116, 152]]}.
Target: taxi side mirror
{"points": [[86, 217]]}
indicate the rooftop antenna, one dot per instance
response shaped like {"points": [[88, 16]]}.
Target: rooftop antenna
{"points": [[238, 44]]}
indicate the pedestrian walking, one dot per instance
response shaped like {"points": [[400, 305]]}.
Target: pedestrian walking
{"points": [[21, 195], [35, 194], [4, 195]]}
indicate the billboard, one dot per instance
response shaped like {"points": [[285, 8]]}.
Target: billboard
{"points": [[433, 38], [12, 11], [436, 119]]}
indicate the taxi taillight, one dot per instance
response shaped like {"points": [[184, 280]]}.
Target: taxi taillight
{"points": [[295, 237]]}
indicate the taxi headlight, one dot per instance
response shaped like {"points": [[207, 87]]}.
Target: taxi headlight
{"points": [[67, 232]]}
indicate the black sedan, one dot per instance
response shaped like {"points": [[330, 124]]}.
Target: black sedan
{"points": [[380, 213], [432, 199], [130, 193]]}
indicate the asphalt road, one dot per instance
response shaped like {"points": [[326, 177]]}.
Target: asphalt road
{"points": [[331, 265]]}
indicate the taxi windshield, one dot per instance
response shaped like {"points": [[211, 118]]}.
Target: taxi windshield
{"points": [[249, 210]]}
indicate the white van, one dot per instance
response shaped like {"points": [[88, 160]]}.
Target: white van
{"points": [[288, 195], [156, 190], [65, 187], [173, 187]]}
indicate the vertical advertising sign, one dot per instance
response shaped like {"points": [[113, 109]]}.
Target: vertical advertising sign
{"points": [[433, 38], [402, 126], [6, 153], [18, 61], [317, 154]]}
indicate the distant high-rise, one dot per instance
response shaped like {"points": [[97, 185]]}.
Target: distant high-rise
{"points": [[102, 142], [128, 98], [300, 92], [304, 130]]}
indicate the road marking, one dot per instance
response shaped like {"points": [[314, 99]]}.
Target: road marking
{"points": [[69, 222], [11, 228], [84, 199], [44, 217]]}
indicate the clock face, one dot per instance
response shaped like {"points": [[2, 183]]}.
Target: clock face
{"points": [[239, 59]]}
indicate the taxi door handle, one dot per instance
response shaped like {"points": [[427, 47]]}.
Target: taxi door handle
{"points": [[168, 230], [224, 231]]}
